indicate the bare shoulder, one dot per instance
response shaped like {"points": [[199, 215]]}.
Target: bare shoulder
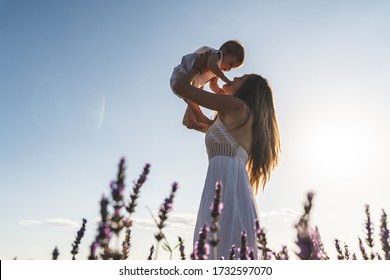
{"points": [[239, 126], [238, 116]]}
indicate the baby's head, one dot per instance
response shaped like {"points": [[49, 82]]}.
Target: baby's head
{"points": [[233, 55]]}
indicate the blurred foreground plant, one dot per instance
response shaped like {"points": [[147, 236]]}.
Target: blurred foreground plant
{"points": [[116, 221]]}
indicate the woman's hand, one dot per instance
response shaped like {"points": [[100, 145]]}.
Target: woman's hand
{"points": [[201, 61]]}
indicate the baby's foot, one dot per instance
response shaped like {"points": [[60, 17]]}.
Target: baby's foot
{"points": [[190, 124], [203, 119]]}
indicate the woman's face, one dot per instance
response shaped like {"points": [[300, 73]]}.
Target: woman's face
{"points": [[235, 84]]}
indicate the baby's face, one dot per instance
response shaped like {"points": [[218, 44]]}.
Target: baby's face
{"points": [[229, 62], [234, 85]]}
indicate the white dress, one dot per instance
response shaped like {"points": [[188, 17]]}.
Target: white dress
{"points": [[227, 163]]}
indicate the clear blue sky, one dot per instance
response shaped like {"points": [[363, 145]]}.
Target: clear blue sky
{"points": [[83, 83]]}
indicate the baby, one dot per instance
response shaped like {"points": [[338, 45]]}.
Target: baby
{"points": [[230, 55]]}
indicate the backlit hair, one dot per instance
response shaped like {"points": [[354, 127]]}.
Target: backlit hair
{"points": [[265, 150]]}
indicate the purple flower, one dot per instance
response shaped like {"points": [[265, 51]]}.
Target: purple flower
{"points": [[318, 248], [283, 254], [181, 249], [126, 245], [251, 254], [369, 227], [339, 250], [104, 234], [384, 236], [369, 231], [151, 252], [262, 242], [232, 253], [304, 241], [244, 250], [168, 204], [55, 253], [175, 186], [93, 249], [216, 211], [136, 189], [362, 249], [103, 209], [346, 251], [217, 205], [201, 248], [166, 207], [76, 243], [117, 191]]}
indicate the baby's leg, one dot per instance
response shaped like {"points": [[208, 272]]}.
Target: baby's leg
{"points": [[189, 120], [200, 118]]}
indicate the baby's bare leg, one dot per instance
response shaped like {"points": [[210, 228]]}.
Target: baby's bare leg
{"points": [[185, 117], [189, 119], [198, 115]]}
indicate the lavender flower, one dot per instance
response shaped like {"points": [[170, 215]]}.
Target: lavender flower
{"points": [[340, 255], [362, 249], [118, 186], [304, 241], [117, 189], [55, 253], [76, 243], [346, 251], [283, 254], [103, 209], [181, 249], [104, 234], [217, 205], [201, 248], [262, 242], [369, 227], [165, 208], [93, 248], [318, 248], [216, 211], [251, 254], [151, 252], [232, 253], [136, 189], [384, 236], [126, 245], [244, 251], [104, 231], [369, 230]]}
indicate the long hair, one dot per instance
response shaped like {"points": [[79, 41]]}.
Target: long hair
{"points": [[265, 150]]}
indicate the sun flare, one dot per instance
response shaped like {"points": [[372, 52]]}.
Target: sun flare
{"points": [[338, 148]]}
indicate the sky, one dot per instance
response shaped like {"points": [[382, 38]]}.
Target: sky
{"points": [[85, 83]]}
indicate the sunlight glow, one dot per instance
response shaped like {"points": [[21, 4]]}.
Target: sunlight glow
{"points": [[338, 147]]}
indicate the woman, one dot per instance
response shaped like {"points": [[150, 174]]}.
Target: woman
{"points": [[243, 146]]}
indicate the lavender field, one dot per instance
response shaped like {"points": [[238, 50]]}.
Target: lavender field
{"points": [[113, 236]]}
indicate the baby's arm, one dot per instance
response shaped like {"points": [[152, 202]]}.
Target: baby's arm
{"points": [[212, 64], [213, 84]]}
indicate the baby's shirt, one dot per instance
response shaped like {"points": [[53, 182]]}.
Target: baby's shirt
{"points": [[188, 62]]}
